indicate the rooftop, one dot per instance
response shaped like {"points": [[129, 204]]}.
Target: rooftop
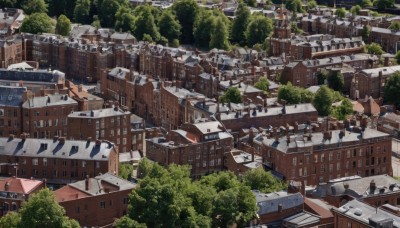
{"points": [[49, 100], [19, 185], [100, 113], [11, 96], [268, 203]]}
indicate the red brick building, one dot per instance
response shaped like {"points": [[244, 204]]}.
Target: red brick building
{"points": [[201, 145], [323, 156], [46, 116], [96, 201], [11, 99], [10, 52], [112, 124], [58, 160], [14, 191]]}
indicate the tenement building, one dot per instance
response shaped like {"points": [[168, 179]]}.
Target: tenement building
{"points": [[96, 201], [200, 145], [58, 160], [11, 99], [109, 124], [323, 156]]}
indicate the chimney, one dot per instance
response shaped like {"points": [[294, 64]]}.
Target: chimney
{"points": [[62, 140], [98, 142], [6, 186], [23, 136], [288, 139], [372, 186], [280, 207], [80, 88], [55, 138], [87, 183], [11, 136]]}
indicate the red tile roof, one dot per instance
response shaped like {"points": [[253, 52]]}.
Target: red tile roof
{"points": [[19, 185]]}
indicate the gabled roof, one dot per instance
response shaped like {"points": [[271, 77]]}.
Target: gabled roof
{"points": [[19, 185]]}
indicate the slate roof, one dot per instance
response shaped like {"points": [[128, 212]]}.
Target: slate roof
{"points": [[385, 71], [11, 96], [268, 203], [49, 100], [36, 75], [303, 219], [100, 113]]}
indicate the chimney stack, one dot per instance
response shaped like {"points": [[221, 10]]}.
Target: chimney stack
{"points": [[372, 186], [62, 140], [87, 183], [6, 186]]}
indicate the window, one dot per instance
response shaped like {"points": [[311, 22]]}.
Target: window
{"points": [[338, 166], [97, 164], [347, 164], [77, 210], [102, 204], [44, 161], [361, 152], [348, 153], [359, 163], [330, 168], [322, 157], [330, 156], [339, 155], [300, 172], [83, 164], [35, 161], [322, 168], [294, 161]]}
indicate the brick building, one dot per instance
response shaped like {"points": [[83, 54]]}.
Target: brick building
{"points": [[10, 21], [322, 156], [110, 124], [96, 201], [371, 82], [239, 162], [46, 116], [374, 190], [304, 73], [14, 191], [10, 52], [11, 99], [58, 160], [201, 145], [138, 132]]}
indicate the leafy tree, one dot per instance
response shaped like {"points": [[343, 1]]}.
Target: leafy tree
{"points": [[392, 89], [323, 101], [231, 95], [258, 179], [63, 26], [395, 25], [375, 49], [335, 80], [202, 28], [355, 10], [295, 28], [8, 3], [341, 12], [169, 26], [365, 33], [366, 3], [42, 210], [295, 6], [262, 84], [258, 30], [125, 171], [107, 12], [312, 4], [37, 23], [124, 20], [384, 4], [144, 167], [145, 24], [126, 222], [34, 6], [10, 220], [240, 23], [96, 22], [186, 11], [294, 95], [81, 11], [306, 95], [219, 35], [251, 3], [321, 77], [343, 110], [58, 7], [398, 57]]}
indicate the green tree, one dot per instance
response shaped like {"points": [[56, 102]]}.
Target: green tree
{"points": [[392, 89], [63, 26], [202, 28], [395, 25], [262, 84], [289, 93], [341, 12], [312, 4], [366, 31], [398, 57], [186, 12], [323, 101], [126, 222], [58, 7], [96, 22], [322, 76], [258, 30], [355, 10], [231, 95], [366, 3], [144, 167], [42, 210], [34, 6], [219, 35], [10, 220], [258, 179], [8, 3], [384, 4], [107, 12], [125, 171], [81, 11], [240, 23], [335, 80], [295, 6], [295, 29], [145, 24], [343, 110], [375, 49], [37, 23], [169, 26], [124, 20]]}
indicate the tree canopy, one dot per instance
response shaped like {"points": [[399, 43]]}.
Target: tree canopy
{"points": [[384, 4], [343, 110], [355, 10], [63, 25], [323, 100], [41, 210], [366, 3], [240, 23], [37, 23], [169, 198], [392, 89], [375, 49], [145, 24], [186, 12], [395, 25], [219, 35], [335, 80], [259, 28], [295, 6], [231, 95], [294, 95], [81, 11], [262, 84], [169, 26], [263, 181], [124, 20], [34, 6], [107, 12], [341, 12], [312, 4]]}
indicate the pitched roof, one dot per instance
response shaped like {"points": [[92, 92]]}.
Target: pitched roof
{"points": [[19, 185], [11, 96]]}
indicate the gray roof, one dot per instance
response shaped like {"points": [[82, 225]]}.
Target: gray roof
{"points": [[303, 219], [11, 96], [385, 71], [209, 127], [119, 72], [268, 203], [100, 113], [29, 75], [49, 148], [96, 184], [367, 214], [49, 100]]}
